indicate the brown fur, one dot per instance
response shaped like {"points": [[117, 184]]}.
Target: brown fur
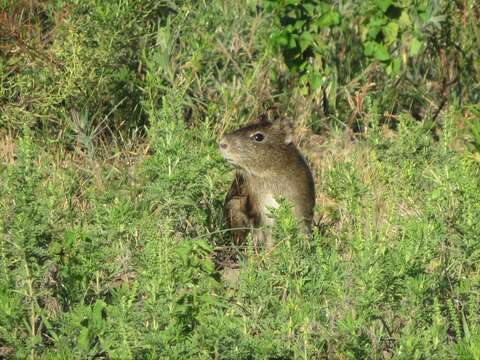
{"points": [[266, 170]]}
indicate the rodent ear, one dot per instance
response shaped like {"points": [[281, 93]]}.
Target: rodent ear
{"points": [[285, 127], [262, 119]]}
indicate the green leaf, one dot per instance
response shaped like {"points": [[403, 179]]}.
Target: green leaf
{"points": [[423, 15], [204, 247], [84, 340], [183, 250], [394, 67], [415, 47], [310, 8], [69, 236], [329, 19], [97, 316], [391, 32], [299, 24], [376, 25], [381, 52], [279, 38], [315, 81], [306, 40], [377, 50], [369, 48], [208, 266], [292, 43], [404, 20], [383, 4]]}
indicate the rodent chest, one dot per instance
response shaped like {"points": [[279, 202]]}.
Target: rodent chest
{"points": [[261, 208], [267, 202]]}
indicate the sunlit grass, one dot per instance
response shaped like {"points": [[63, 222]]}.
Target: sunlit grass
{"points": [[111, 192]]}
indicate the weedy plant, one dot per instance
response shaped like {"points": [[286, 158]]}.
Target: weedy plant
{"points": [[411, 47], [111, 183]]}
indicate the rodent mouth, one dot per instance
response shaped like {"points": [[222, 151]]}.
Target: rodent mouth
{"points": [[227, 157], [229, 160]]}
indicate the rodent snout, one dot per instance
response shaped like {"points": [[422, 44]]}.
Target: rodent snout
{"points": [[225, 148], [223, 143]]}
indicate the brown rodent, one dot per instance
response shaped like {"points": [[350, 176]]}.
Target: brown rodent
{"points": [[269, 166]]}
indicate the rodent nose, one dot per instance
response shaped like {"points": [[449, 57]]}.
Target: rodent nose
{"points": [[223, 144]]}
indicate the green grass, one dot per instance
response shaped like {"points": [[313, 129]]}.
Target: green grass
{"points": [[111, 192]]}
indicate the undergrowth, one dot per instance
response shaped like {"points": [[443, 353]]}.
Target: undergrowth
{"points": [[111, 193]]}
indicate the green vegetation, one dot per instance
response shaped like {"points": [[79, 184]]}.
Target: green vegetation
{"points": [[111, 187]]}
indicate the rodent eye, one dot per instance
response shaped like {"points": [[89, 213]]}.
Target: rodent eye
{"points": [[258, 137]]}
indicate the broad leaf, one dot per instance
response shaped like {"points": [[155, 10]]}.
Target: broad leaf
{"points": [[383, 4]]}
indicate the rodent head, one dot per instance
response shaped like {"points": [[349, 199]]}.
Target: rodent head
{"points": [[258, 149]]}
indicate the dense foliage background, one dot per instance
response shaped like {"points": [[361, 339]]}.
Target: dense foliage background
{"points": [[112, 243]]}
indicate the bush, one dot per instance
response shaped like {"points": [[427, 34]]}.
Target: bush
{"points": [[112, 186], [396, 51]]}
